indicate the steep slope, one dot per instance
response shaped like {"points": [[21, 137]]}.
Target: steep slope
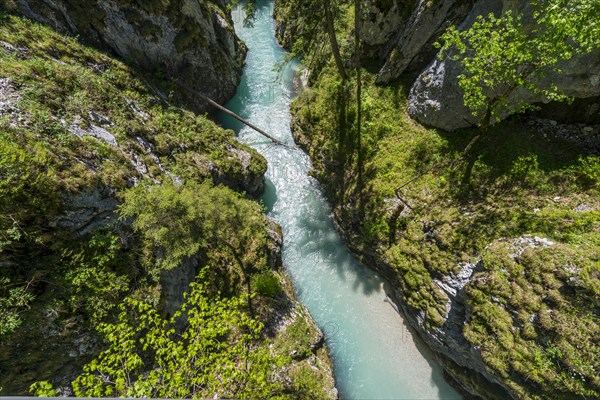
{"points": [[111, 195], [493, 258], [188, 41], [496, 263]]}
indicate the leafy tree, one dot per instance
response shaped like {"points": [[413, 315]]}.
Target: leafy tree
{"points": [[502, 54], [217, 354], [27, 200], [314, 35], [178, 221], [13, 300], [90, 271]]}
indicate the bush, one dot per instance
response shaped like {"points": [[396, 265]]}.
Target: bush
{"points": [[218, 354], [94, 285], [13, 300], [590, 169], [267, 283]]}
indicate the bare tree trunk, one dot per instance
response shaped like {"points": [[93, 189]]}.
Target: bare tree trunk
{"points": [[242, 120], [358, 68], [335, 48]]}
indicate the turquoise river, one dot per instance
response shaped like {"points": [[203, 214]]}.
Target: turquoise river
{"points": [[375, 354]]}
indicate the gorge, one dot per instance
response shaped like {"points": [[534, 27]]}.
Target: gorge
{"points": [[431, 271], [375, 353]]}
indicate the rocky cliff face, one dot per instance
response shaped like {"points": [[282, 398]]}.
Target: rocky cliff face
{"points": [[383, 20], [403, 43], [410, 48], [191, 42], [436, 100]]}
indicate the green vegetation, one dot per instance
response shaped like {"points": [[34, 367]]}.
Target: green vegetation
{"points": [[57, 86], [499, 55], [528, 313], [216, 354], [91, 223], [184, 220], [267, 283], [552, 302], [316, 33], [94, 272], [13, 301]]}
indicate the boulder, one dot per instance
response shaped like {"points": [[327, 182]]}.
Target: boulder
{"points": [[436, 100]]}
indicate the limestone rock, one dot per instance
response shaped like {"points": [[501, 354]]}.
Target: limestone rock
{"points": [[9, 100], [86, 211], [382, 20], [8, 96], [275, 243], [175, 283], [94, 131], [412, 43], [188, 41], [436, 100], [244, 179]]}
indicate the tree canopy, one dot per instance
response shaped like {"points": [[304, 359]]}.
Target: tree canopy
{"points": [[217, 354], [500, 54]]}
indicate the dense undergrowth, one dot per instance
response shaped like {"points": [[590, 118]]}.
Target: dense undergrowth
{"points": [[165, 185], [532, 305]]}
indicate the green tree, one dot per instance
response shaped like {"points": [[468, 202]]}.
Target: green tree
{"points": [[501, 54], [28, 181], [177, 221], [314, 36], [219, 353], [335, 47], [93, 272], [181, 220], [14, 299]]}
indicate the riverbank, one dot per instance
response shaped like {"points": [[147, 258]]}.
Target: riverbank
{"points": [[465, 247], [373, 351], [114, 202]]}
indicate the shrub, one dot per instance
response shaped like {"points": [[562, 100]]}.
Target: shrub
{"points": [[267, 283]]}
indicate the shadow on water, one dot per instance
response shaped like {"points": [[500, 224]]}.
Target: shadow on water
{"points": [[320, 243], [269, 197]]}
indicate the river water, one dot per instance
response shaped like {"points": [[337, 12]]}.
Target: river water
{"points": [[375, 354]]}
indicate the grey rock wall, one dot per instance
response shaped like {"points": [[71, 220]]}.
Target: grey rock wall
{"points": [[436, 100], [413, 42], [382, 20], [189, 41]]}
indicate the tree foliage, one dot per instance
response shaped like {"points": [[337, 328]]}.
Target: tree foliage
{"points": [[502, 54], [27, 181], [217, 354], [178, 221], [14, 299], [91, 275], [314, 35]]}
